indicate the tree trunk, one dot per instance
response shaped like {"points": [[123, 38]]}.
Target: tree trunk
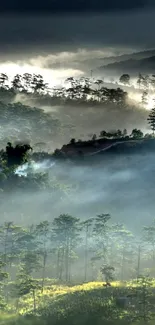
{"points": [[43, 274], [86, 255], [34, 300], [122, 268], [139, 261]]}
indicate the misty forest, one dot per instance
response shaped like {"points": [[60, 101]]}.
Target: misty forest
{"points": [[77, 223]]}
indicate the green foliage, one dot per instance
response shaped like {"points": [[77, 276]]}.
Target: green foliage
{"points": [[16, 156], [137, 134], [144, 293], [108, 272], [151, 119]]}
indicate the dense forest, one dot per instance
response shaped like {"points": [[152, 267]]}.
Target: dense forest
{"points": [[81, 267]]}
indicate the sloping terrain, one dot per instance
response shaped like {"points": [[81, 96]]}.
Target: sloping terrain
{"points": [[131, 65]]}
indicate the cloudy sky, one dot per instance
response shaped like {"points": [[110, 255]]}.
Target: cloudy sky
{"points": [[63, 38]]}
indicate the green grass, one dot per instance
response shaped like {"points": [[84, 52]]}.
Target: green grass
{"points": [[65, 305]]}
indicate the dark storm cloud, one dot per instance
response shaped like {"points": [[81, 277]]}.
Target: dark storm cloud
{"points": [[30, 35], [62, 6]]}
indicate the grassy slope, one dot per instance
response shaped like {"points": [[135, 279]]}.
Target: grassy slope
{"points": [[77, 305]]}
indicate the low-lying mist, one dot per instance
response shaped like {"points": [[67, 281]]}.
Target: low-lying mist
{"points": [[120, 185], [81, 121]]}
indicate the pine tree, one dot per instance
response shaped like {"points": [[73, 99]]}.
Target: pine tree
{"points": [[101, 234], [3, 276], [86, 226], [151, 119], [144, 294], [66, 231], [149, 238], [43, 234]]}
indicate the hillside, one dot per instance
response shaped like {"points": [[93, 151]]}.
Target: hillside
{"points": [[86, 304], [106, 146], [131, 65], [131, 56]]}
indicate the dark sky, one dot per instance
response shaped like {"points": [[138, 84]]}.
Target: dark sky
{"points": [[49, 26], [62, 6]]}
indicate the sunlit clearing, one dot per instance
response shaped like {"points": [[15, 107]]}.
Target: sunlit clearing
{"points": [[137, 98], [52, 77], [134, 97], [150, 104]]}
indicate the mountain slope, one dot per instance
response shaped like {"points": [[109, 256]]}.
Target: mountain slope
{"points": [[132, 66], [124, 57]]}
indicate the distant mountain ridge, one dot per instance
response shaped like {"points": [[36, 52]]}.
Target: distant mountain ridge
{"points": [[124, 57], [143, 62]]}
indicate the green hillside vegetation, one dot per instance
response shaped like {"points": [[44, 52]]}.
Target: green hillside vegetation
{"points": [[87, 304], [60, 269]]}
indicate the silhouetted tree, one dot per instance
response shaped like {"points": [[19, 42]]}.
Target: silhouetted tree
{"points": [[28, 81], [140, 80], [137, 134], [94, 137], [151, 119], [38, 83], [3, 79], [152, 81], [72, 141], [103, 134], [145, 98], [108, 273], [17, 83], [125, 79], [16, 156]]}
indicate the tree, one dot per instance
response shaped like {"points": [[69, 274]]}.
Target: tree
{"points": [[145, 98], [99, 83], [6, 241], [108, 272], [3, 79], [125, 79], [125, 133], [94, 137], [98, 92], [17, 83], [137, 134], [38, 83], [86, 225], [149, 237], [16, 156], [103, 134], [66, 232], [124, 241], [28, 81], [139, 80], [74, 87], [145, 310], [24, 285], [152, 81], [151, 119], [100, 231], [43, 233], [30, 262], [72, 141], [3, 276]]}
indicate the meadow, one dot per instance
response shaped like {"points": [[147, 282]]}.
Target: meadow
{"points": [[88, 303]]}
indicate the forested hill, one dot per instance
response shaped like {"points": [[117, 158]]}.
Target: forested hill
{"points": [[87, 149]]}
